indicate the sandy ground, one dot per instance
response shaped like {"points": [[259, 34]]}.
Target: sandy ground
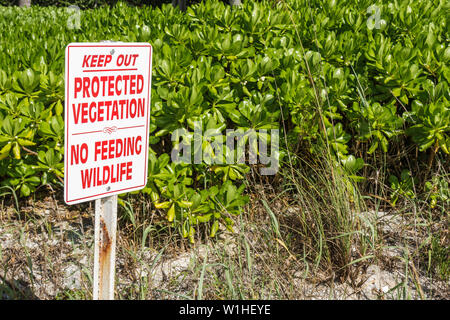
{"points": [[46, 252]]}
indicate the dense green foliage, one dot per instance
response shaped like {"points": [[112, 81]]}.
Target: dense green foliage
{"points": [[320, 70], [84, 4]]}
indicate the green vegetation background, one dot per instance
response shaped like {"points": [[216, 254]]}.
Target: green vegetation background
{"points": [[369, 87]]}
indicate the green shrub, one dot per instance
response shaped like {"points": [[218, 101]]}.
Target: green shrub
{"points": [[320, 67], [84, 4]]}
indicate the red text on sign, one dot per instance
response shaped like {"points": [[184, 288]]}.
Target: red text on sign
{"points": [[98, 176], [115, 148], [108, 85], [96, 60]]}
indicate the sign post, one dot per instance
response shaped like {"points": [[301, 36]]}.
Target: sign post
{"points": [[107, 118], [105, 248]]}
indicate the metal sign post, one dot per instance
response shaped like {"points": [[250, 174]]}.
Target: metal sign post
{"points": [[105, 247]]}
